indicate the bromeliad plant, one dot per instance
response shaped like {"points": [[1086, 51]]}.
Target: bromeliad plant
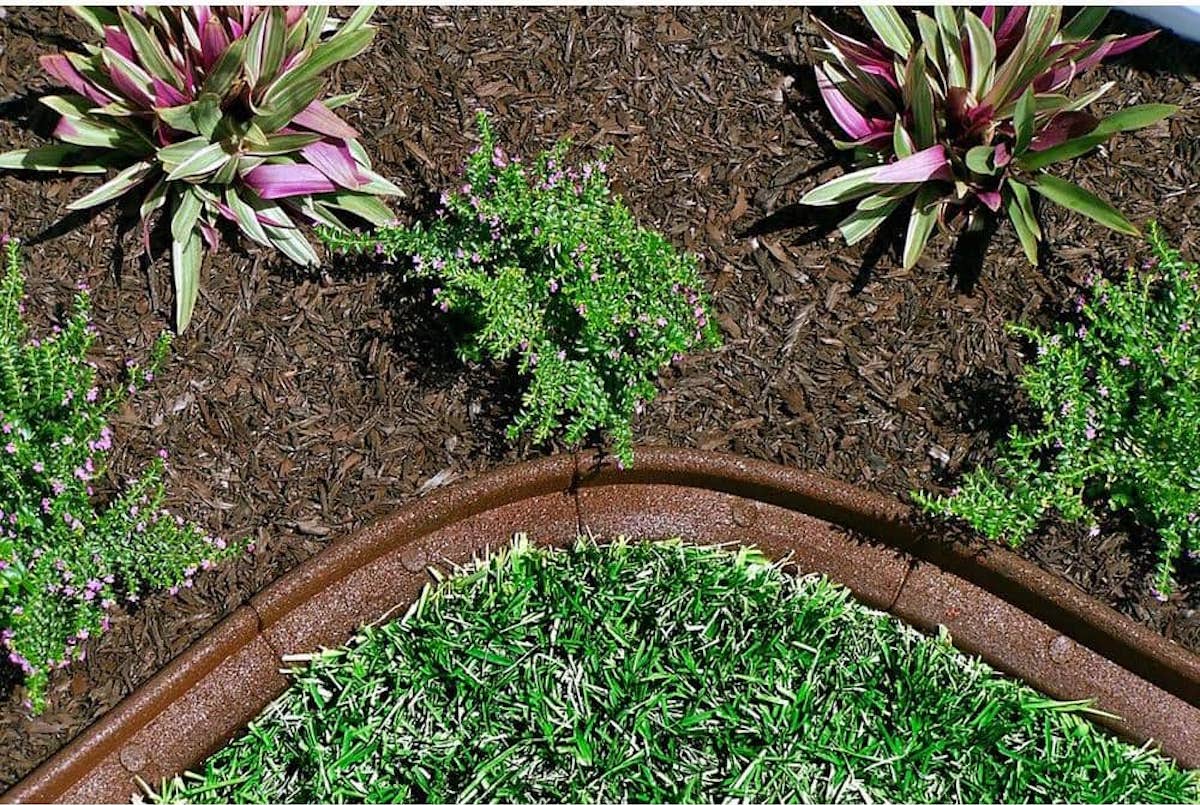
{"points": [[1120, 404], [216, 114], [548, 268], [66, 559], [966, 116]]}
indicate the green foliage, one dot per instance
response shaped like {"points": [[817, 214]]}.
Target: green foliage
{"points": [[548, 268], [66, 560], [1120, 404], [662, 672], [966, 116], [214, 113]]}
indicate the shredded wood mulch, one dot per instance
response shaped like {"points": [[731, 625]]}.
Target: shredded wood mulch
{"points": [[297, 408]]}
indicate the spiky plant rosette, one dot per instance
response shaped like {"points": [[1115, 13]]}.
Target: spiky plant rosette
{"points": [[214, 113], [966, 116]]}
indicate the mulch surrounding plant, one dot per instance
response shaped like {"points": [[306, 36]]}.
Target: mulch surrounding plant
{"points": [[296, 408]]}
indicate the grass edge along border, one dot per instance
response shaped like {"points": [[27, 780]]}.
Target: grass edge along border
{"points": [[1014, 615]]}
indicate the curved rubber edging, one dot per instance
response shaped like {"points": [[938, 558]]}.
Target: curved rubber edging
{"points": [[1011, 613]]}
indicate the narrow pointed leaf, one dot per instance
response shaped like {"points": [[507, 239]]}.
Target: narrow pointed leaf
{"points": [[927, 164], [902, 143], [187, 211], [281, 181], [149, 52], [367, 207], [97, 17], [983, 52], [46, 158], [1083, 24], [293, 245], [247, 220], [849, 118], [186, 256], [920, 225], [76, 107], [1022, 222], [865, 220], [920, 100], [114, 187], [207, 160], [1074, 197], [276, 144], [1023, 121], [947, 20], [1021, 193], [843, 188], [890, 29], [320, 118]]}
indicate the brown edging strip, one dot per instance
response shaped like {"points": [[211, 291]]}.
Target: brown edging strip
{"points": [[995, 604]]}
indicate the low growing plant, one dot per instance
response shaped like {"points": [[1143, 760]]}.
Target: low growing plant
{"points": [[215, 113], [966, 116], [66, 559], [547, 267], [1120, 402]]}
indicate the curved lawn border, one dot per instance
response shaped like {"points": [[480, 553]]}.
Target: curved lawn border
{"points": [[995, 604]]}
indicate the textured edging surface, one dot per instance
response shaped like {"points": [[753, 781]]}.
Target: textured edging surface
{"points": [[1016, 616]]}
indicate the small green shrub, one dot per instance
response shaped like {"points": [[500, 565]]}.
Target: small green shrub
{"points": [[1120, 403], [548, 267], [66, 560]]}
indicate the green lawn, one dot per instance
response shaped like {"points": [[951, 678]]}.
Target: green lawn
{"points": [[664, 673]]}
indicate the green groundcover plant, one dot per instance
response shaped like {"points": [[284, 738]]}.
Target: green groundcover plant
{"points": [[662, 672], [966, 116], [66, 559], [1119, 397], [549, 269], [215, 113]]}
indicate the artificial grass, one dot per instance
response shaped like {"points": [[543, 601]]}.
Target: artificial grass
{"points": [[661, 672]]}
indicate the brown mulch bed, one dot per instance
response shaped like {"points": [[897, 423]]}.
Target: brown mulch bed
{"points": [[296, 408]]}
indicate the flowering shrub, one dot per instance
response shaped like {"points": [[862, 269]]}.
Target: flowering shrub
{"points": [[216, 112], [548, 268], [966, 117], [1120, 402], [65, 560]]}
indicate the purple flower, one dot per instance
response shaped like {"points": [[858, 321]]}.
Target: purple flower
{"points": [[1124, 361], [1184, 326], [10, 448], [38, 466], [7, 428], [553, 284], [1089, 432]]}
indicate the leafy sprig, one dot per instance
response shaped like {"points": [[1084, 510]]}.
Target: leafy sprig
{"points": [[1119, 397], [66, 559], [550, 270]]}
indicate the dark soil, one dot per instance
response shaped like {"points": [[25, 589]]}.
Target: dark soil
{"points": [[298, 408]]}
